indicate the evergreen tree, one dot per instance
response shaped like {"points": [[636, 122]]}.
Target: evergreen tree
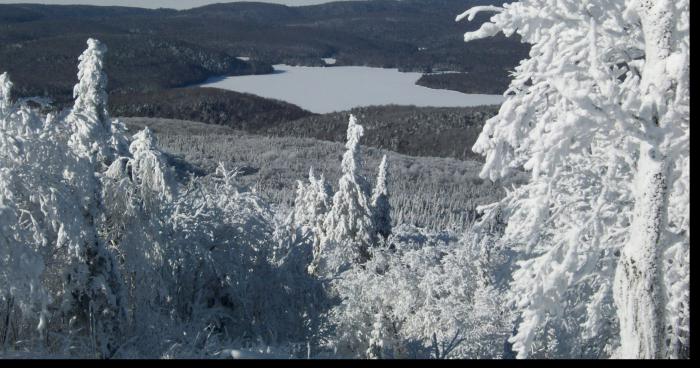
{"points": [[347, 228], [376, 339], [381, 209], [94, 284], [90, 93], [89, 120]]}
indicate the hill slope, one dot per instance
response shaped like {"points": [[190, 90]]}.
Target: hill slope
{"points": [[208, 105], [437, 193], [416, 131]]}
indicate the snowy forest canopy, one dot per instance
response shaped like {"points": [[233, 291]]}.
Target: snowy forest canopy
{"points": [[105, 252]]}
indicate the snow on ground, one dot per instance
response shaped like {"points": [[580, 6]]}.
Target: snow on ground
{"points": [[324, 90], [267, 353], [329, 61]]}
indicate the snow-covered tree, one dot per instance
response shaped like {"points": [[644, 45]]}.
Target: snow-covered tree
{"points": [[25, 208], [313, 200], [54, 194], [599, 117], [137, 191], [95, 290], [89, 120], [347, 229], [149, 168], [21, 262], [381, 209], [312, 203], [377, 338], [5, 89], [91, 91]]}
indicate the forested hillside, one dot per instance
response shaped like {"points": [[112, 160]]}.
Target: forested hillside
{"points": [[141, 63], [416, 131], [208, 105], [157, 49], [430, 192]]}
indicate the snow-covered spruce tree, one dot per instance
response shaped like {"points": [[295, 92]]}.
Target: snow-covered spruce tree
{"points": [[381, 209], [378, 337], [599, 116], [348, 231], [91, 91], [94, 286], [93, 136]]}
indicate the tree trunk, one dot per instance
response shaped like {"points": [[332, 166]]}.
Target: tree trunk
{"points": [[638, 287]]}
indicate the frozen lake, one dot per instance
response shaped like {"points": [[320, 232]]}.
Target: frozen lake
{"points": [[338, 88]]}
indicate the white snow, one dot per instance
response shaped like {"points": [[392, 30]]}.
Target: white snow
{"points": [[254, 354], [329, 61], [243, 58], [324, 90]]}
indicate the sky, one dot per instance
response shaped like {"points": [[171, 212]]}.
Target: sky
{"points": [[174, 4]]}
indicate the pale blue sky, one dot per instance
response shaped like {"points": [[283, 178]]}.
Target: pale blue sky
{"points": [[175, 4]]}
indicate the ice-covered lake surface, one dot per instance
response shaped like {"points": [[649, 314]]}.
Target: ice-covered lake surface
{"points": [[338, 88]]}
